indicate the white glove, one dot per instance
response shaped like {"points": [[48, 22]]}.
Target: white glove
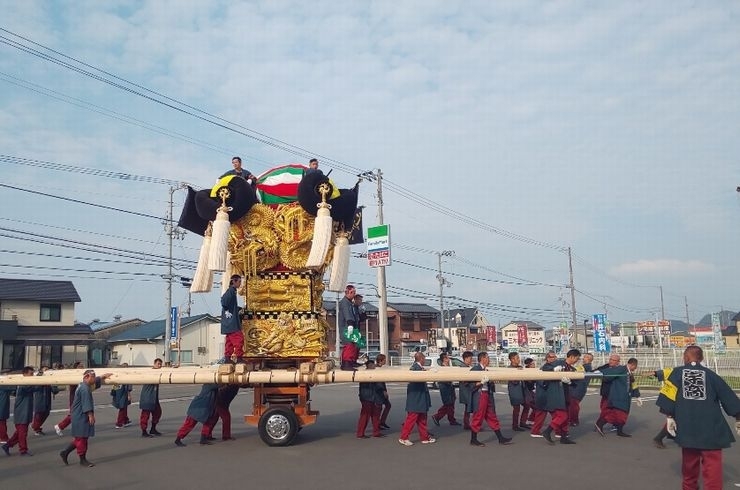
{"points": [[484, 380], [737, 427], [557, 369], [228, 314], [350, 329], [639, 402], [565, 380], [670, 425]]}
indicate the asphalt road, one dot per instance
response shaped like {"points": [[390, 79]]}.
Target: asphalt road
{"points": [[328, 455]]}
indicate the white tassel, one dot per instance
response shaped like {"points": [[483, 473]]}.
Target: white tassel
{"points": [[339, 264], [203, 278], [226, 276], [322, 233], [219, 241]]}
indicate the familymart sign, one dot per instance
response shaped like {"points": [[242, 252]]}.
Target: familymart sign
{"points": [[379, 246]]}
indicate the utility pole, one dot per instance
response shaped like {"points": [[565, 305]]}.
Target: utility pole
{"points": [[688, 322], [662, 307], [573, 301], [443, 282], [377, 175], [382, 293], [172, 232]]}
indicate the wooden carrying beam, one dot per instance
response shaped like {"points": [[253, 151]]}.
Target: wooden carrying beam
{"points": [[282, 376]]}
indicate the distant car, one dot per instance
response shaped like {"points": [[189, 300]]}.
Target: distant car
{"points": [[456, 362], [393, 355]]}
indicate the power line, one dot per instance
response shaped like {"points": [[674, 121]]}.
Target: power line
{"points": [[205, 116], [30, 162], [77, 201]]}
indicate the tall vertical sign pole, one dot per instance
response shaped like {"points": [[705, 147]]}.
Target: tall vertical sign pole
{"points": [[382, 300]]}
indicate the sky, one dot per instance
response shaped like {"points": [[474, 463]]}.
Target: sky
{"points": [[507, 132]]}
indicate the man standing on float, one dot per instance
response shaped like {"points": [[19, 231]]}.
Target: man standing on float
{"points": [[231, 323]]}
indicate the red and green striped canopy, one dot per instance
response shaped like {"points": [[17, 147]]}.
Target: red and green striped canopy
{"points": [[279, 185]]}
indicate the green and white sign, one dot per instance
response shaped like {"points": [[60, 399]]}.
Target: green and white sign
{"points": [[379, 246]]}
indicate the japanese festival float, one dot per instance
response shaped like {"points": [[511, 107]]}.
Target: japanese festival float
{"points": [[280, 234]]}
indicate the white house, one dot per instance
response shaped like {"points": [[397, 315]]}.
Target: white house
{"points": [[37, 324], [200, 342]]}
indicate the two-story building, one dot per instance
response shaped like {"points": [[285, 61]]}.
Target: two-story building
{"points": [[417, 325], [37, 324]]}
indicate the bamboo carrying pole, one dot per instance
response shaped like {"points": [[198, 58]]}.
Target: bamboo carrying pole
{"points": [[308, 375]]}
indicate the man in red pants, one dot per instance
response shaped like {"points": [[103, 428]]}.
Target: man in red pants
{"points": [[83, 417], [201, 409], [149, 405], [465, 388], [42, 405], [22, 416], [121, 400], [231, 321], [557, 397], [483, 407], [693, 398], [578, 391], [68, 418], [371, 400], [539, 410], [616, 395], [418, 402], [447, 393], [386, 408], [224, 397], [517, 397]]}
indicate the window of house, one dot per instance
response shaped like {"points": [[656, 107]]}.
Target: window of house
{"points": [[186, 357], [50, 312], [14, 354]]}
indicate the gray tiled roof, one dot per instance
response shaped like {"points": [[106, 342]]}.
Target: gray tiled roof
{"points": [[527, 323], [155, 330], [33, 290], [413, 308]]}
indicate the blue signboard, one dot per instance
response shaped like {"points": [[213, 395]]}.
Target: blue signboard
{"points": [[174, 317], [602, 339]]}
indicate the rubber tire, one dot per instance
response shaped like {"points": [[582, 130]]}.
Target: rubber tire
{"points": [[278, 426]]}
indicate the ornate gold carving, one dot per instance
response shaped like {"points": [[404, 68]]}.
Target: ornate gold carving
{"points": [[285, 337]]}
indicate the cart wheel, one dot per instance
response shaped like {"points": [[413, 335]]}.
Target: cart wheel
{"points": [[278, 426]]}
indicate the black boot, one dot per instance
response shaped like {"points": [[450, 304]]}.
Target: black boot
{"points": [[85, 462], [622, 433], [501, 439], [144, 433], [474, 440], [564, 439], [547, 434], [600, 426], [154, 431], [658, 439], [178, 442], [204, 441], [65, 453]]}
